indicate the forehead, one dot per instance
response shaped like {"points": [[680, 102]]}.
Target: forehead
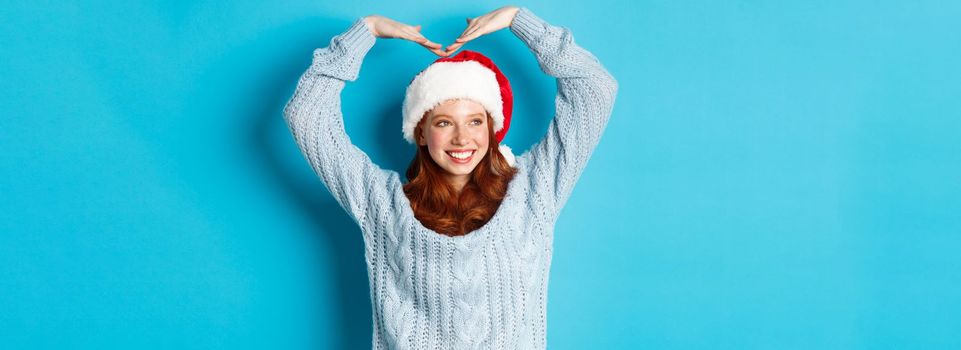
{"points": [[458, 108]]}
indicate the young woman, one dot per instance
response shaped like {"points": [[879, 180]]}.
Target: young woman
{"points": [[459, 256]]}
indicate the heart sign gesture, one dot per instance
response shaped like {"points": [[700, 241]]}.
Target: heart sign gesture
{"points": [[383, 27]]}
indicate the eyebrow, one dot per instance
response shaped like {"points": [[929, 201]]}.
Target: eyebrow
{"points": [[445, 115]]}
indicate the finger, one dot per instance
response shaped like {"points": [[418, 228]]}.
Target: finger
{"points": [[463, 35], [428, 43], [454, 46], [438, 51], [415, 36], [470, 35], [420, 39]]}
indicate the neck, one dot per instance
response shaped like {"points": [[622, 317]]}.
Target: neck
{"points": [[458, 182]]}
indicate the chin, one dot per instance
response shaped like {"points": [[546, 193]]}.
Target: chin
{"points": [[461, 170]]}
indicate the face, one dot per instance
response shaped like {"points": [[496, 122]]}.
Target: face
{"points": [[456, 134]]}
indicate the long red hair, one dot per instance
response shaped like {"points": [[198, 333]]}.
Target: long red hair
{"points": [[437, 204]]}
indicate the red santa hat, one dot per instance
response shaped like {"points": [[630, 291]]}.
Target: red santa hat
{"points": [[468, 75]]}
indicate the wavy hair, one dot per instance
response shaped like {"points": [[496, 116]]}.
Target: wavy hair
{"points": [[437, 204]]}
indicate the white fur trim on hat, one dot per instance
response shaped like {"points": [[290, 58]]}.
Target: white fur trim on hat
{"points": [[506, 152], [442, 81]]}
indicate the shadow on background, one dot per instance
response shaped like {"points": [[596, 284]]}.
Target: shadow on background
{"points": [[343, 237]]}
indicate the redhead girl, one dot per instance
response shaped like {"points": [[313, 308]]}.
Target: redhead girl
{"points": [[458, 257]]}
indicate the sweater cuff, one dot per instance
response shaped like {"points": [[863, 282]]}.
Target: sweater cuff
{"points": [[528, 27], [343, 57]]}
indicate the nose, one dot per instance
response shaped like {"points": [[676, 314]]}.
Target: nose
{"points": [[460, 136]]}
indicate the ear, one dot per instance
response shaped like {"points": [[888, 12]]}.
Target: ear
{"points": [[419, 131], [419, 137]]}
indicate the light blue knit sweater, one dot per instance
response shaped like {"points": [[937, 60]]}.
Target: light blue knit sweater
{"points": [[486, 289]]}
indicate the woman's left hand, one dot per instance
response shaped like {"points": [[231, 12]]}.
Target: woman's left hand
{"points": [[491, 22]]}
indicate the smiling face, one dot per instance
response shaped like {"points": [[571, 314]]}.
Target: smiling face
{"points": [[457, 136]]}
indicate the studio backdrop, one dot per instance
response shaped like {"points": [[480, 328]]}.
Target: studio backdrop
{"points": [[775, 175]]}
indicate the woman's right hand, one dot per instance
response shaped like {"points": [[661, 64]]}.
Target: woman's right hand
{"points": [[383, 27]]}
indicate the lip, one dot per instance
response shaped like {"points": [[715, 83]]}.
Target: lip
{"points": [[461, 161]]}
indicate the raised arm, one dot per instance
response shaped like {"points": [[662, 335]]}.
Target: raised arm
{"points": [[585, 98], [314, 117]]}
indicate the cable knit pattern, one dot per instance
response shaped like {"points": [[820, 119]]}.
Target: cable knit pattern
{"points": [[486, 289]]}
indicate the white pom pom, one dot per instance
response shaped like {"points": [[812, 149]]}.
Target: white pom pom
{"points": [[506, 152]]}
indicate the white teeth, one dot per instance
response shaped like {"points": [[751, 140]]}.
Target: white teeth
{"points": [[461, 155]]}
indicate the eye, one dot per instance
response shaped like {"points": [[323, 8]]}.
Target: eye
{"points": [[479, 122], [440, 123]]}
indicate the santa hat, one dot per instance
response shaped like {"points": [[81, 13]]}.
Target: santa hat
{"points": [[467, 75]]}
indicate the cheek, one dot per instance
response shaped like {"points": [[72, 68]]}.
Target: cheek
{"points": [[482, 136], [435, 138]]}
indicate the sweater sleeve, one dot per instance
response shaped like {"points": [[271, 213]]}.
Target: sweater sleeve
{"points": [[314, 117], [585, 99]]}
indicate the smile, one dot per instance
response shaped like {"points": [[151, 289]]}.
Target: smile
{"points": [[461, 157]]}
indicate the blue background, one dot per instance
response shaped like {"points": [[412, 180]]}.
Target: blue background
{"points": [[775, 175]]}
